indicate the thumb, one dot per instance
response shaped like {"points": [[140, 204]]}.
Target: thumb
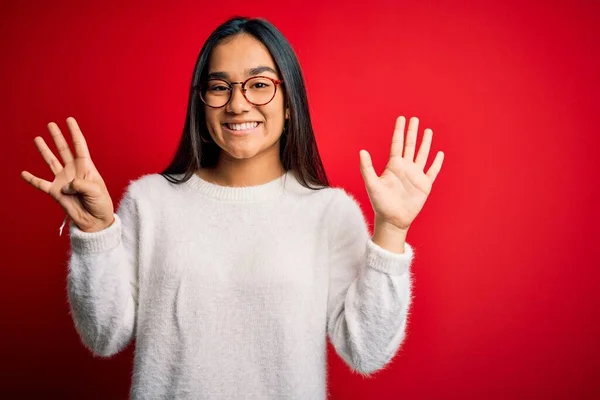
{"points": [[68, 188], [366, 167], [77, 185]]}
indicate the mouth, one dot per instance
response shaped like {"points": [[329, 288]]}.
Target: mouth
{"points": [[241, 129]]}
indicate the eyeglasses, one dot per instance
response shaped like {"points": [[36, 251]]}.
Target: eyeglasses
{"points": [[257, 90]]}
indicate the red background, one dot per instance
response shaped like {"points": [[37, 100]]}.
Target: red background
{"points": [[507, 270]]}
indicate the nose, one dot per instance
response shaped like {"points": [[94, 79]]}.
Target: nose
{"points": [[237, 103]]}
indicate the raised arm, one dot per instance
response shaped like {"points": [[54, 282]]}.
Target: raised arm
{"points": [[102, 283], [369, 291]]}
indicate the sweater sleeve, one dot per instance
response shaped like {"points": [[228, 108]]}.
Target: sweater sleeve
{"points": [[369, 291], [102, 281]]}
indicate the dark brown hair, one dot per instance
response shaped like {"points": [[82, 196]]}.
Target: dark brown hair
{"points": [[297, 147]]}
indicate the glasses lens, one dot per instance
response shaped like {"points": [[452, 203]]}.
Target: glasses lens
{"points": [[215, 92], [260, 91]]}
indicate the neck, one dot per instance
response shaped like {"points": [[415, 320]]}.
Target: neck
{"points": [[241, 173]]}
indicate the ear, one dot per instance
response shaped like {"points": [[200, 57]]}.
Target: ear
{"points": [[287, 113]]}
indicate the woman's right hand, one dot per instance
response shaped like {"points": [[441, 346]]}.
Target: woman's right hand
{"points": [[77, 186]]}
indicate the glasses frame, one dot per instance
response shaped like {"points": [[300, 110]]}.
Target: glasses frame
{"points": [[202, 85]]}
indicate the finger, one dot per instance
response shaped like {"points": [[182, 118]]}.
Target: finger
{"points": [[436, 166], [411, 139], [366, 168], [398, 138], [36, 182], [60, 142], [424, 149], [47, 155], [81, 149], [79, 185]]}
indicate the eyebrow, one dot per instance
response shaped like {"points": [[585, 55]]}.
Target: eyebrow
{"points": [[249, 72]]}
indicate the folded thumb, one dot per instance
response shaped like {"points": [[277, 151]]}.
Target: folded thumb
{"points": [[68, 188]]}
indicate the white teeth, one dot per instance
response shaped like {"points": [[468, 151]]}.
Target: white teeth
{"points": [[241, 127]]}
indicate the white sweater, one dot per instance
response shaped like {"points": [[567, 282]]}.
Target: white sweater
{"points": [[230, 292]]}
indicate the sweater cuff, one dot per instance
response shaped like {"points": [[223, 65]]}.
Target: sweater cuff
{"points": [[388, 262], [95, 242]]}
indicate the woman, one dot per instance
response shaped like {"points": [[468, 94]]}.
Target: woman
{"points": [[232, 267]]}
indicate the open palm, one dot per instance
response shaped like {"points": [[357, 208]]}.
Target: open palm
{"points": [[400, 192], [77, 185]]}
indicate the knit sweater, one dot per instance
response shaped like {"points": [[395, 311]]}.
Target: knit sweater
{"points": [[232, 292]]}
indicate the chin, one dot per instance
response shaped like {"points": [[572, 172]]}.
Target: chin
{"points": [[241, 153]]}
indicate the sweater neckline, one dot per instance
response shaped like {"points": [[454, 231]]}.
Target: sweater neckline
{"points": [[261, 192]]}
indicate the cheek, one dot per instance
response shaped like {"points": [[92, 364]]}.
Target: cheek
{"points": [[275, 116], [212, 120], [274, 124]]}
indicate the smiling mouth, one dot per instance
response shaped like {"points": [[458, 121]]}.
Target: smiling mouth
{"points": [[241, 128]]}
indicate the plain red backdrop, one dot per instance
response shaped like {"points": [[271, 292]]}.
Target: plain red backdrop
{"points": [[507, 268]]}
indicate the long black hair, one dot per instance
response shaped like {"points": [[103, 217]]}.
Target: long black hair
{"points": [[297, 146]]}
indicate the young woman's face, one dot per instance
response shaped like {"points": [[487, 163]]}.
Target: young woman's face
{"points": [[233, 60]]}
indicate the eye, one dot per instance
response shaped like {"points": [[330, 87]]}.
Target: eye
{"points": [[217, 85], [260, 84], [218, 88]]}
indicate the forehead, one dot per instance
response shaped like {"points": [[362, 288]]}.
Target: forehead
{"points": [[238, 54]]}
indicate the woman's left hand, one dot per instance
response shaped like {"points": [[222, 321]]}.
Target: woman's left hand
{"points": [[399, 194]]}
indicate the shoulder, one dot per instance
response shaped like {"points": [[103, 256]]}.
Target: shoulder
{"points": [[149, 186], [330, 196], [344, 218], [343, 210], [344, 201]]}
